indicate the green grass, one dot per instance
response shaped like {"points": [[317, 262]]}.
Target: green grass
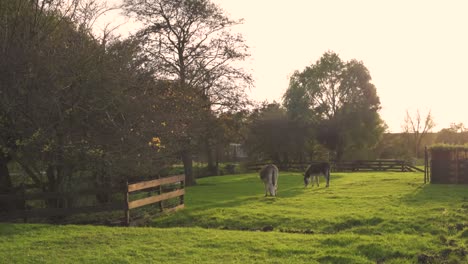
{"points": [[361, 218]]}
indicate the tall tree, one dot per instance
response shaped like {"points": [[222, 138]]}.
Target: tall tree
{"points": [[70, 104], [268, 136], [341, 97], [273, 135], [416, 128], [189, 42]]}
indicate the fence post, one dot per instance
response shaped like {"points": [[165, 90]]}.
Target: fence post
{"points": [[182, 186], [127, 209], [161, 206], [456, 166], [425, 164]]}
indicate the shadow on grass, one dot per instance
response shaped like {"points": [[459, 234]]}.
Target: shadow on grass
{"points": [[245, 190], [217, 203], [14, 229], [430, 193]]}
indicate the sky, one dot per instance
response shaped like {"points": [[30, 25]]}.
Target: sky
{"points": [[416, 51]]}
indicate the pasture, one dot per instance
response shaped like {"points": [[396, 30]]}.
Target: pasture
{"points": [[371, 217]]}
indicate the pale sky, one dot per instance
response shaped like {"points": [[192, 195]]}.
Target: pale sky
{"points": [[416, 51]]}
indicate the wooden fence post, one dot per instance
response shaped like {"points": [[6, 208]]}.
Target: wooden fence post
{"points": [[161, 206], [127, 209], [182, 186], [456, 166], [425, 164]]}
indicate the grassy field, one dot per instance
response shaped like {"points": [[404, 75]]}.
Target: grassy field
{"points": [[361, 218]]}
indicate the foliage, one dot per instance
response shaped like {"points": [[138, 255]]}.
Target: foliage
{"points": [[190, 44], [273, 135], [397, 146], [448, 147], [398, 220], [72, 106], [338, 98], [455, 134]]}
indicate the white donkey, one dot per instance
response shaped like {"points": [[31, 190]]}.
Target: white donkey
{"points": [[269, 176], [314, 171]]}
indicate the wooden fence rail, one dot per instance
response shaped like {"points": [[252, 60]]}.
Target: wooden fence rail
{"points": [[355, 165], [155, 199], [177, 185]]}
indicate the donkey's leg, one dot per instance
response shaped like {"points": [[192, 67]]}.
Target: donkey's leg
{"points": [[317, 179], [266, 188]]}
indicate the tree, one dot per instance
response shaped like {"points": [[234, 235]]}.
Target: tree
{"points": [[340, 100], [416, 128], [304, 141], [189, 42], [73, 106], [267, 136], [27, 30], [273, 135], [456, 134]]}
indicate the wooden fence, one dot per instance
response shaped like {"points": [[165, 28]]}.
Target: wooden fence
{"points": [[355, 165], [124, 203], [178, 192]]}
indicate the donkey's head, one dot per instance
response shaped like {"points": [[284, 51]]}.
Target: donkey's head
{"points": [[272, 189]]}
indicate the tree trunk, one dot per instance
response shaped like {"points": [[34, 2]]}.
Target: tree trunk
{"points": [[101, 182], [51, 186], [5, 179], [54, 178], [209, 156], [418, 145], [188, 168], [285, 160], [339, 154], [5, 183], [217, 160]]}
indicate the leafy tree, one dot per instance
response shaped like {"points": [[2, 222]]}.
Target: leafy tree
{"points": [[28, 43], [296, 101], [416, 129], [72, 106], [189, 42], [268, 133], [305, 145], [456, 134], [273, 135], [340, 101]]}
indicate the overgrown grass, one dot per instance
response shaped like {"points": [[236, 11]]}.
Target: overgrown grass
{"points": [[361, 218]]}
